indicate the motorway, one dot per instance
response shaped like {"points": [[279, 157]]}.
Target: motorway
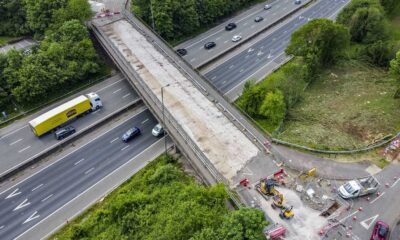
{"points": [[20, 145], [38, 196], [246, 27], [245, 64]]}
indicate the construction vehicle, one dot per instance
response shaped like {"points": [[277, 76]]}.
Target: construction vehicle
{"points": [[287, 212], [267, 186], [358, 187], [277, 200], [60, 115]]}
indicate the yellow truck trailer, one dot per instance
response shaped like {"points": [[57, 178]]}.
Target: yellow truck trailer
{"points": [[64, 113]]}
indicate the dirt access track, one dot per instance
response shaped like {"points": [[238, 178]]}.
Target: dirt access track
{"points": [[227, 148]]}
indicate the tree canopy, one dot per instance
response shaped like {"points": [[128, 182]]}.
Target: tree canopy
{"points": [[13, 18], [319, 42]]}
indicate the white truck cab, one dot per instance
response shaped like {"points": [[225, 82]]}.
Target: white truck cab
{"points": [[95, 102], [358, 187]]}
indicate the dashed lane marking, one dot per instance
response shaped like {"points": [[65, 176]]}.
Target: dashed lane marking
{"points": [[37, 187], [46, 198], [115, 139], [26, 148], [1, 227], [117, 90], [79, 161], [122, 149], [145, 121], [88, 171], [16, 141], [126, 95]]}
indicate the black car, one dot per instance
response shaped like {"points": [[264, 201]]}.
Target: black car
{"points": [[297, 2], [209, 45], [64, 132], [131, 133], [258, 19], [230, 26], [181, 51]]}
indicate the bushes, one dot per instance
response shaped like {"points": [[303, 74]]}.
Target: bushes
{"points": [[160, 202]]}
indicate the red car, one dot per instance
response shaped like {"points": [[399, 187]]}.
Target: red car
{"points": [[380, 232]]}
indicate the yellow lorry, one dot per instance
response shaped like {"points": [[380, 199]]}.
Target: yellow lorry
{"points": [[64, 113]]}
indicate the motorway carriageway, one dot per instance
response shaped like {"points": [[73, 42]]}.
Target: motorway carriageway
{"points": [[30, 201], [245, 64], [21, 145]]}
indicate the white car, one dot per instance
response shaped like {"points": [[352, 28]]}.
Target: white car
{"points": [[267, 6], [236, 38], [157, 130]]}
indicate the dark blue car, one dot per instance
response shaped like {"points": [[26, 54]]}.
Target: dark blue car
{"points": [[131, 133]]}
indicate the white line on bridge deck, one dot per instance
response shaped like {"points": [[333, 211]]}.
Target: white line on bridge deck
{"points": [[88, 171], [46, 198], [20, 151], [117, 90], [37, 187], [115, 139], [16, 141]]}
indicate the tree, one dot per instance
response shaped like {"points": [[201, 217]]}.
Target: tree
{"points": [[274, 107], [243, 224], [319, 42], [368, 25], [251, 98], [40, 14], [75, 9], [13, 18], [380, 53], [389, 5], [344, 17], [395, 70]]}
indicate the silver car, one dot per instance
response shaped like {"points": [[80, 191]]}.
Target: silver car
{"points": [[157, 130]]}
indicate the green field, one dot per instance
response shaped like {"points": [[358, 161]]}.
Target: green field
{"points": [[350, 105]]}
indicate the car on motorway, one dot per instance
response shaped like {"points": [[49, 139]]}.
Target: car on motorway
{"points": [[380, 231], [181, 51], [157, 130], [64, 132], [297, 1], [130, 134], [230, 26], [236, 38], [258, 19], [209, 45], [267, 6]]}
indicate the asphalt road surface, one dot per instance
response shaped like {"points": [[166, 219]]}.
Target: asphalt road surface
{"points": [[374, 207], [242, 66], [23, 44], [38, 196], [21, 145], [246, 26]]}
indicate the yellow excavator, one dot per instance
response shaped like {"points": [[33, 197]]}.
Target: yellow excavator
{"points": [[277, 200], [287, 212], [267, 187]]}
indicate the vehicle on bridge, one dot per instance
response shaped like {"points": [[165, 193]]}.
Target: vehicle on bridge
{"points": [[64, 113], [359, 187]]}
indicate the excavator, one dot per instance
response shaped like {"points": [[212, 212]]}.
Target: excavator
{"points": [[278, 200], [267, 187]]}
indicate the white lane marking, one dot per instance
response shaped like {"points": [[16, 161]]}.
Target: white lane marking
{"points": [[68, 153], [1, 227], [126, 95], [372, 219], [191, 60], [377, 197], [32, 217], [231, 66], [13, 194], [20, 151], [117, 90], [226, 41], [122, 149], [244, 24], [88, 189], [12, 132], [16, 141], [342, 220], [394, 184], [115, 139], [46, 198], [241, 70], [213, 77], [88, 171], [101, 89], [23, 204], [37, 187], [146, 120], [218, 38], [79, 161]]}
